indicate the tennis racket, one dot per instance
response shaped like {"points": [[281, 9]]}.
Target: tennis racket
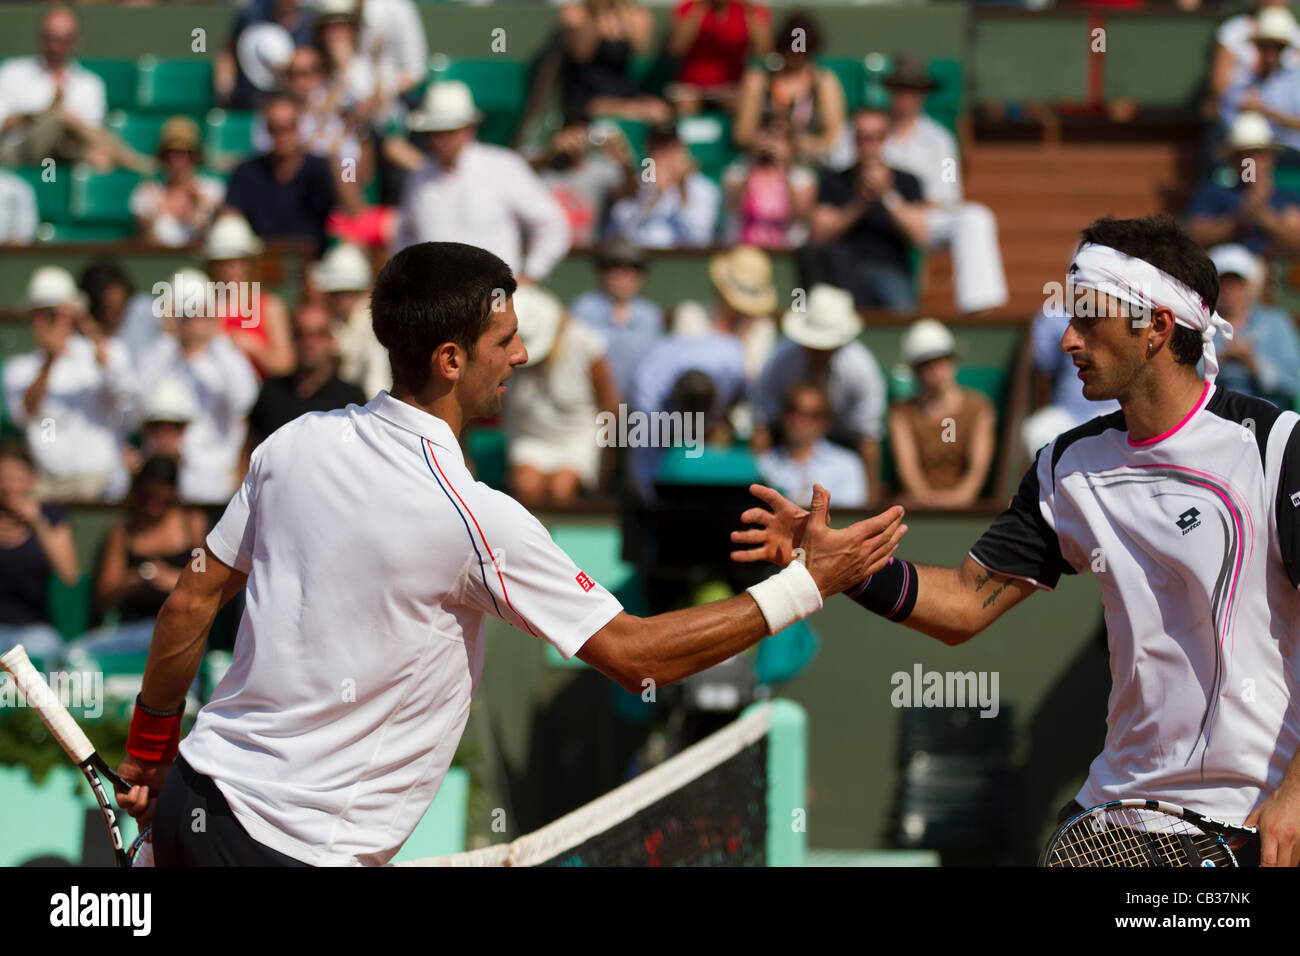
{"points": [[55, 716], [1145, 833]]}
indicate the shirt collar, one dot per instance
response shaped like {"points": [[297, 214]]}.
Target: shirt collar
{"points": [[409, 418]]}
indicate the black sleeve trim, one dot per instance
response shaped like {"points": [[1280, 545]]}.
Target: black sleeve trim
{"points": [[1020, 542], [1288, 507]]}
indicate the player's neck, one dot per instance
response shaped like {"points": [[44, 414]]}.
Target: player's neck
{"points": [[439, 406], [1159, 403]]}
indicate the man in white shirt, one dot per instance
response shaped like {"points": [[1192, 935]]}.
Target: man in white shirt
{"points": [[50, 106], [222, 382], [372, 559], [923, 147], [18, 212], [71, 395], [473, 192], [1186, 506]]}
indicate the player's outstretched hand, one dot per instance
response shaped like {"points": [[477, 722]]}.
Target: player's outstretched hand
{"points": [[780, 530], [839, 560]]}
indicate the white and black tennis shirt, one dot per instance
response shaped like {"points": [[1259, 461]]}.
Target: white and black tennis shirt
{"points": [[373, 557], [1194, 536]]}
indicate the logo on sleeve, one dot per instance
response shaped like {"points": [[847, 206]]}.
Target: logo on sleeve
{"points": [[1189, 519], [1295, 499], [585, 582]]}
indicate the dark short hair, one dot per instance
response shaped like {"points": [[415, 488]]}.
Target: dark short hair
{"points": [[16, 450], [432, 293], [157, 470], [805, 385], [1160, 241], [98, 277], [799, 20]]}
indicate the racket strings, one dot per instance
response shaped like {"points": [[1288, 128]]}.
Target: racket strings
{"points": [[1128, 837]]}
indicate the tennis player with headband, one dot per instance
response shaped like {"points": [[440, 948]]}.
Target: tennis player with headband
{"points": [[1190, 495], [372, 557]]}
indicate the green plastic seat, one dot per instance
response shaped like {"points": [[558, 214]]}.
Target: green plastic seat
{"points": [[140, 131], [60, 232], [708, 137], [852, 76], [101, 197], [120, 81], [228, 137], [51, 196], [487, 449], [174, 86], [69, 605]]}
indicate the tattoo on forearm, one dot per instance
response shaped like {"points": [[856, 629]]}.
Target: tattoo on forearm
{"points": [[981, 580], [994, 596]]}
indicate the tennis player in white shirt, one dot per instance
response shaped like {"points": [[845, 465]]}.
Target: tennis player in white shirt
{"points": [[371, 558]]}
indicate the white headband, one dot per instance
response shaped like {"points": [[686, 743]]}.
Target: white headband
{"points": [[1141, 284]]}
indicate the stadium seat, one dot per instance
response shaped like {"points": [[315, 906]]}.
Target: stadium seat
{"points": [[51, 196], [945, 104], [487, 450], [174, 86], [69, 605], [101, 198], [140, 131], [228, 137], [120, 81], [852, 77], [500, 89], [708, 137], [57, 232]]}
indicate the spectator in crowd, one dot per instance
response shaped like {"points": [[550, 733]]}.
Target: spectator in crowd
{"points": [[1058, 393], [263, 37], [745, 303], [821, 344], [1236, 57], [630, 323], [586, 168], [51, 107], [19, 215], [472, 192], [177, 210], [713, 40], [943, 438], [770, 198], [353, 87], [919, 145], [1252, 211], [285, 193], [313, 386], [865, 224], [72, 394], [255, 320], [222, 381], [803, 456], [600, 38], [392, 36], [142, 559], [793, 92], [122, 313], [343, 278], [1263, 356], [675, 207], [165, 415], [35, 543], [715, 352], [552, 402], [1272, 88]]}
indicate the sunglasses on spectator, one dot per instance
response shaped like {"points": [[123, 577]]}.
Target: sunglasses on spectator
{"points": [[274, 128], [817, 412]]}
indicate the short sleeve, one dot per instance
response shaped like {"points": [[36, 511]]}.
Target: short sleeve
{"points": [[232, 540], [524, 578], [1020, 542], [1288, 507]]}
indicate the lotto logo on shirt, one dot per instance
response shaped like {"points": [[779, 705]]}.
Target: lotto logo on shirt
{"points": [[585, 582], [1295, 499]]}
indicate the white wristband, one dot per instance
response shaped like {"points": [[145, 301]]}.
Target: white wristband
{"points": [[788, 596]]}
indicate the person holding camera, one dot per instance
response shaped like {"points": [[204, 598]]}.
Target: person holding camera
{"points": [[769, 196], [586, 167]]}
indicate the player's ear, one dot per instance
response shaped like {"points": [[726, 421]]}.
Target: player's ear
{"points": [[449, 361]]}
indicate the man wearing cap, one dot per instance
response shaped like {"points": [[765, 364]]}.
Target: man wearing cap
{"points": [[676, 207], [821, 344], [343, 277], [925, 148], [177, 210], [245, 70], [473, 192], [285, 193], [71, 395], [220, 378], [1185, 505], [631, 324], [1250, 210], [1263, 356], [1272, 88], [165, 415]]}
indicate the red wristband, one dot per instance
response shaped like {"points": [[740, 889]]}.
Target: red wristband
{"points": [[154, 739]]}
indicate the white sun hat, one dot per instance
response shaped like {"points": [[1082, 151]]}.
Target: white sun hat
{"points": [[170, 401], [447, 105], [231, 237], [344, 268], [263, 50], [1275, 24], [539, 314], [51, 286], [827, 321], [1250, 130], [927, 339]]}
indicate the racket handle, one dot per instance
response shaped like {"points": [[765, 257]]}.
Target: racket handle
{"points": [[41, 699]]}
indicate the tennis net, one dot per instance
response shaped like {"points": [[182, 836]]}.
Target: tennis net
{"points": [[732, 799]]}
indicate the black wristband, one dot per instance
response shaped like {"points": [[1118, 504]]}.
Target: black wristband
{"points": [[890, 592], [158, 713]]}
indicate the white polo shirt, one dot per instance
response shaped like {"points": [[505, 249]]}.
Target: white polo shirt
{"points": [[373, 557], [27, 86]]}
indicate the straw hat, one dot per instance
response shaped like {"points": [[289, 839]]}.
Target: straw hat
{"points": [[743, 277], [828, 322], [927, 339], [179, 132], [447, 105], [539, 313]]}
